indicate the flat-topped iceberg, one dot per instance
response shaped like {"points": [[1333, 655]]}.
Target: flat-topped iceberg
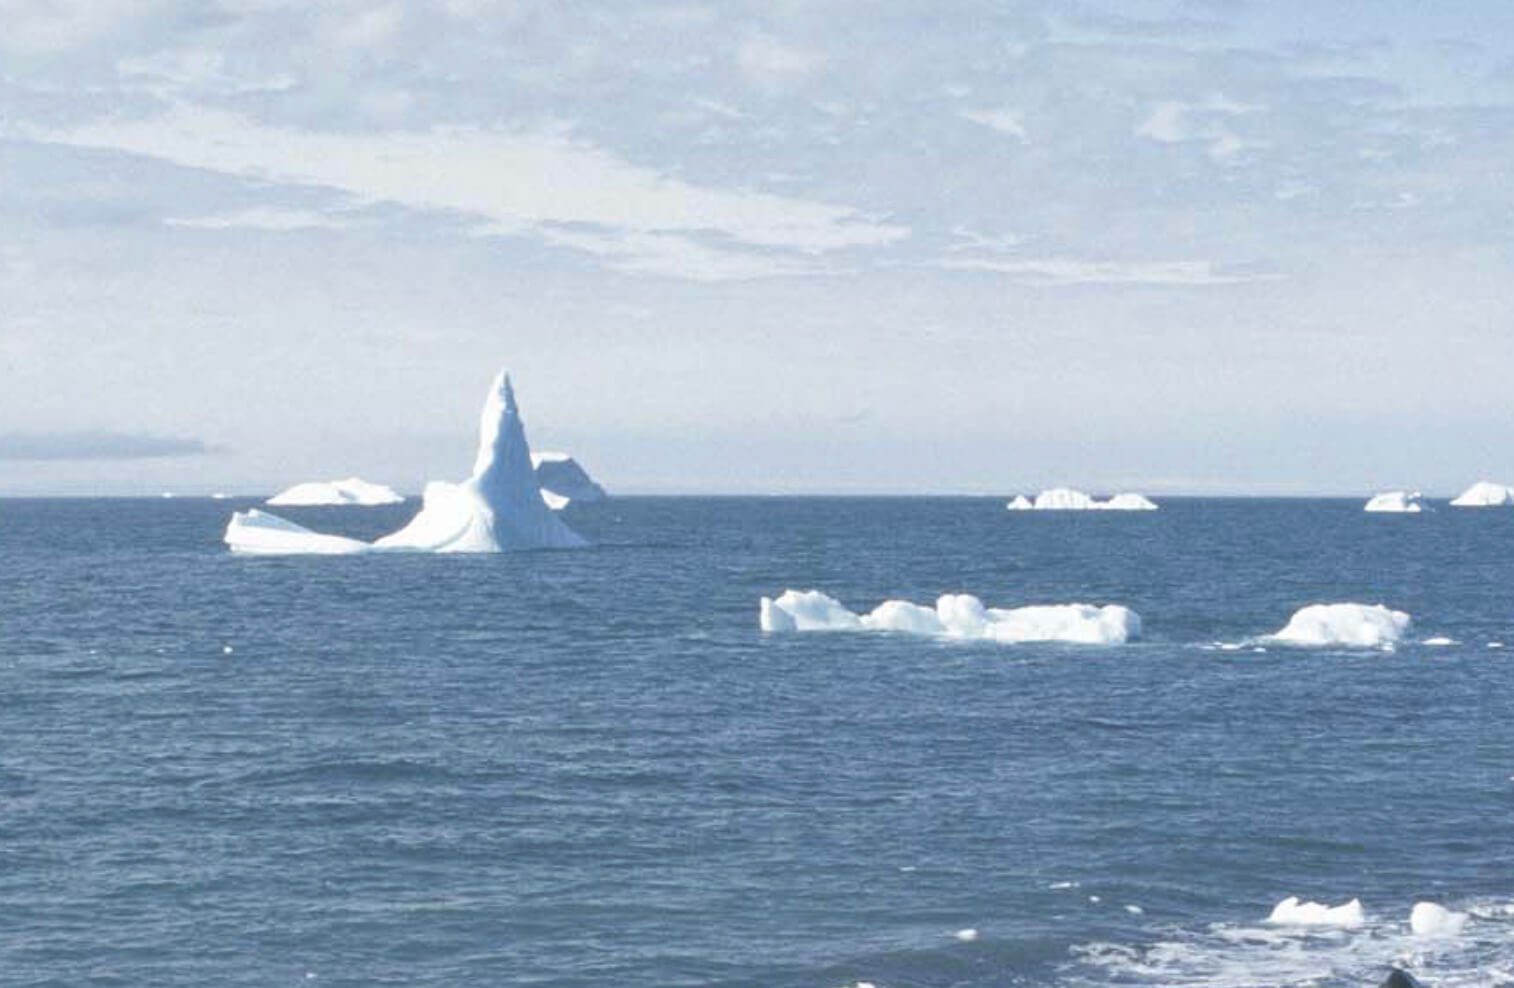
{"points": [[497, 509], [352, 491], [1067, 499], [563, 481], [1485, 494], [1292, 912], [1355, 625], [1401, 502], [955, 616]]}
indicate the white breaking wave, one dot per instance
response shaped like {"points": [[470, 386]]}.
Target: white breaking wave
{"points": [[497, 509], [955, 616], [1067, 499], [1395, 502], [354, 491], [1441, 947], [1355, 625]]}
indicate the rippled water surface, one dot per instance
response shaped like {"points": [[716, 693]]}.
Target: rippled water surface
{"points": [[592, 769]]}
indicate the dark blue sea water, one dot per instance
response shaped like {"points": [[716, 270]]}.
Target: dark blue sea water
{"points": [[592, 769]]}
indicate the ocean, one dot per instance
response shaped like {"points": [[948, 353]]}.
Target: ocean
{"points": [[590, 768]]}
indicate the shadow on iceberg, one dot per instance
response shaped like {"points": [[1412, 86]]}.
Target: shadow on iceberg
{"points": [[497, 509]]}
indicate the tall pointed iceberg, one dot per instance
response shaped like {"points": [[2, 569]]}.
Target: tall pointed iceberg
{"points": [[497, 509]]}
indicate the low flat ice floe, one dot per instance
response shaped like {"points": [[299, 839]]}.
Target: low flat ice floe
{"points": [[497, 509], [1396, 502], [961, 616], [1067, 499], [353, 491]]}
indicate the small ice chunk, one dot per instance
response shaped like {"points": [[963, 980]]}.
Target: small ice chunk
{"points": [[1064, 885], [1135, 910], [226, 649], [1292, 912], [1020, 503], [1495, 644], [1430, 920], [1485, 494], [1094, 898], [1356, 625], [966, 936], [1397, 502], [1439, 640]]}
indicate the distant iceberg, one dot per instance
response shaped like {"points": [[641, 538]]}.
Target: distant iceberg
{"points": [[1292, 912], [563, 481], [1401, 502], [497, 509], [954, 616], [353, 491], [1485, 495], [1067, 499], [1356, 625], [1428, 919]]}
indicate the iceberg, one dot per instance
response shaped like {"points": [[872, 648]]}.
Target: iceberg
{"points": [[954, 616], [1356, 625], [1067, 499], [1292, 912], [1395, 501], [563, 481], [1427, 919], [499, 508], [260, 533], [1484, 494], [352, 491]]}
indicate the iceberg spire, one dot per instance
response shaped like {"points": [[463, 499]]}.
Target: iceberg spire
{"points": [[498, 508]]}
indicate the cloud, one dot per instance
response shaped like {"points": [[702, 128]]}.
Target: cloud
{"points": [[1003, 120], [262, 218], [509, 182], [1174, 122], [1065, 271], [767, 61], [96, 446]]}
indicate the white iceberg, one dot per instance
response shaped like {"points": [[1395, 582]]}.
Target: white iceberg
{"points": [[955, 616], [1358, 625], [1484, 494], [1401, 502], [1067, 499], [563, 481], [497, 509], [1292, 912], [260, 533], [353, 491], [1430, 920]]}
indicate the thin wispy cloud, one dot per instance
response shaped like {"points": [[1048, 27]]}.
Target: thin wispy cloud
{"points": [[43, 446]]}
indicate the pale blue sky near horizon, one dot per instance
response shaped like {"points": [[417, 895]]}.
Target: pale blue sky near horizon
{"points": [[1204, 246]]}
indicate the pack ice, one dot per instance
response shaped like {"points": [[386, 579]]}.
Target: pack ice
{"points": [[352, 491], [497, 509], [1067, 499], [954, 616]]}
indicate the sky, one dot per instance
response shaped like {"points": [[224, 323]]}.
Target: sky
{"points": [[1204, 246]]}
